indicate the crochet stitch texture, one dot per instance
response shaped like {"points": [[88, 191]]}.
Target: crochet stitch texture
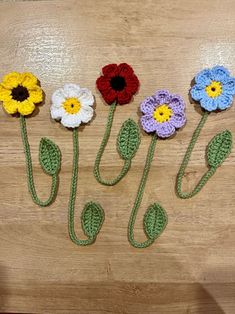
{"points": [[162, 114], [72, 105], [117, 85], [19, 93], [214, 89]]}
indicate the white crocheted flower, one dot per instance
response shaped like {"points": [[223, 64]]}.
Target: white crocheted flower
{"points": [[72, 105]]}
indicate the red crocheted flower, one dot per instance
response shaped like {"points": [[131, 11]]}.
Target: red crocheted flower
{"points": [[118, 83]]}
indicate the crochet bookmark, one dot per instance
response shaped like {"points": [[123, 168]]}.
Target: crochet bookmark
{"points": [[72, 105], [214, 89], [19, 93], [117, 85], [163, 113]]}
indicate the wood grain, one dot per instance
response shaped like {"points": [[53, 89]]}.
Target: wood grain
{"points": [[190, 268]]}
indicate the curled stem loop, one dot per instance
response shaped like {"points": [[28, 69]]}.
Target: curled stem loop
{"points": [[100, 153], [92, 216], [155, 218], [185, 162], [53, 169]]}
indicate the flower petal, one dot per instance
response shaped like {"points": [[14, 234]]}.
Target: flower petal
{"points": [[71, 90], [148, 123], [125, 70], [148, 105], [162, 97], [86, 113], [229, 87], [178, 120], [5, 94], [10, 106], [109, 96], [224, 101], [103, 83], [57, 113], [220, 73], [132, 83], [204, 77], [124, 97], [208, 103], [71, 120], [177, 103], [26, 107], [35, 94], [58, 97], [110, 70], [29, 80], [164, 129], [197, 92], [85, 97], [12, 80]]}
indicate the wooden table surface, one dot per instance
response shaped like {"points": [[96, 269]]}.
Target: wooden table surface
{"points": [[191, 267]]}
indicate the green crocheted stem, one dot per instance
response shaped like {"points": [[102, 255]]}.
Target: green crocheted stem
{"points": [[99, 155], [139, 197], [29, 169], [185, 162], [89, 231]]}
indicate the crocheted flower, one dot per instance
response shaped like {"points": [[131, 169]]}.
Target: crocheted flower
{"points": [[118, 83], [19, 92], [163, 113], [214, 88], [72, 105]]}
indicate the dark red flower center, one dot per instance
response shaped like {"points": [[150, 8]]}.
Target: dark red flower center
{"points": [[118, 83], [19, 93]]}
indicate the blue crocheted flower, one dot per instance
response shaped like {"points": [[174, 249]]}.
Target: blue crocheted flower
{"points": [[214, 88]]}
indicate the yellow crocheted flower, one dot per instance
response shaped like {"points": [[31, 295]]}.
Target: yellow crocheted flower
{"points": [[19, 92]]}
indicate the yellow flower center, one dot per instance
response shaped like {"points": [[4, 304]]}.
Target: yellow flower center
{"points": [[214, 89], [72, 105], [162, 113]]}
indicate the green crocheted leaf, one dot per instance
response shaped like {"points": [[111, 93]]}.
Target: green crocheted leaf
{"points": [[128, 140], [155, 221], [219, 148], [49, 156], [92, 219]]}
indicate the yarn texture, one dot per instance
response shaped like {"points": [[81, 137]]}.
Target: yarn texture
{"points": [[128, 140], [162, 113], [19, 92], [92, 216], [214, 89], [155, 221], [49, 156], [117, 85], [219, 148], [155, 218], [50, 160], [72, 105]]}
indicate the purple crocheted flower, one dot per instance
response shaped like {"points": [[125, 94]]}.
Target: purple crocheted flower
{"points": [[163, 113]]}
